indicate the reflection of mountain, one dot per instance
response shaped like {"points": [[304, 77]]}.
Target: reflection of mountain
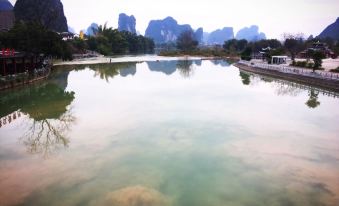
{"points": [[46, 105], [128, 70], [166, 67], [169, 67], [220, 62]]}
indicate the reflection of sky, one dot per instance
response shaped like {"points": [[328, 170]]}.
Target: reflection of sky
{"points": [[182, 137]]}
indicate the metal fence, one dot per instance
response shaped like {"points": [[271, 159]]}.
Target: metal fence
{"points": [[294, 70]]}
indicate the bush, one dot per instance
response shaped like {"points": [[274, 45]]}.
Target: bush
{"points": [[335, 70], [310, 65], [246, 58]]}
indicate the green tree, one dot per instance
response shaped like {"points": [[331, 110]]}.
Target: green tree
{"points": [[35, 38], [186, 41], [294, 44], [317, 57]]}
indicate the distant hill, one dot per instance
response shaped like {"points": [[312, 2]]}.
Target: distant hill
{"points": [[168, 30], [331, 31], [50, 13], [127, 23], [6, 15], [5, 5], [91, 29], [220, 36], [250, 34], [199, 35], [70, 29]]}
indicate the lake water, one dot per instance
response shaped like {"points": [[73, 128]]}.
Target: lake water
{"points": [[172, 133]]}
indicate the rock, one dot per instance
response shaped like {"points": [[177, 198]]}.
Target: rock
{"points": [[6, 15], [50, 13], [250, 34], [331, 31], [90, 31], [166, 30], [135, 196], [220, 36], [127, 23]]}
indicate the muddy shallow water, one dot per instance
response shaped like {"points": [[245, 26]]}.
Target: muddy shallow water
{"points": [[168, 132]]}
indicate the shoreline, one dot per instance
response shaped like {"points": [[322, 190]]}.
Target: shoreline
{"points": [[327, 84], [144, 58]]}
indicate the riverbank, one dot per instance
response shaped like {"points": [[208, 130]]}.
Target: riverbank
{"points": [[23, 79], [137, 58], [208, 54], [329, 84]]}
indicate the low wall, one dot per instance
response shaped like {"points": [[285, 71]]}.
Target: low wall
{"points": [[332, 85]]}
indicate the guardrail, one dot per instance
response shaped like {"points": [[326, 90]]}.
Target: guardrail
{"points": [[294, 70]]}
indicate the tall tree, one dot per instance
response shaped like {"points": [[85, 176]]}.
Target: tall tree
{"points": [[186, 41]]}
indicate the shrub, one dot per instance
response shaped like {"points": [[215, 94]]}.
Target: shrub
{"points": [[310, 65], [335, 70]]}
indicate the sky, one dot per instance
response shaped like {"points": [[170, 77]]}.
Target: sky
{"points": [[274, 17]]}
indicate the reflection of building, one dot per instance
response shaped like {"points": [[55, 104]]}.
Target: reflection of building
{"points": [[6, 15], [9, 118]]}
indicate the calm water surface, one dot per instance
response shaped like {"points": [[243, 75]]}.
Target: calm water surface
{"points": [[172, 133]]}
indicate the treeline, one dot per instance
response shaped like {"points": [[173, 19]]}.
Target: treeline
{"points": [[109, 41], [34, 38], [292, 45]]}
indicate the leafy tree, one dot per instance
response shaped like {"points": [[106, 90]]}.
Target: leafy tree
{"points": [[294, 44], [246, 54], [186, 41], [235, 45], [317, 57], [35, 38]]}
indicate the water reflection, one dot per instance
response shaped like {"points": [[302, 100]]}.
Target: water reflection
{"points": [[283, 87], [186, 68], [46, 107], [313, 101], [220, 62], [166, 67], [245, 78]]}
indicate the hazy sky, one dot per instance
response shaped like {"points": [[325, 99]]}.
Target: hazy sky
{"points": [[274, 17]]}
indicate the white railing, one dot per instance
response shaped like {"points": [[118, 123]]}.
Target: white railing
{"points": [[293, 70]]}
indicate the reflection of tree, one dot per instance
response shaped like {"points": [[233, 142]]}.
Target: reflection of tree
{"points": [[47, 135], [185, 68], [286, 88], [245, 78], [47, 107], [107, 71], [313, 100]]}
